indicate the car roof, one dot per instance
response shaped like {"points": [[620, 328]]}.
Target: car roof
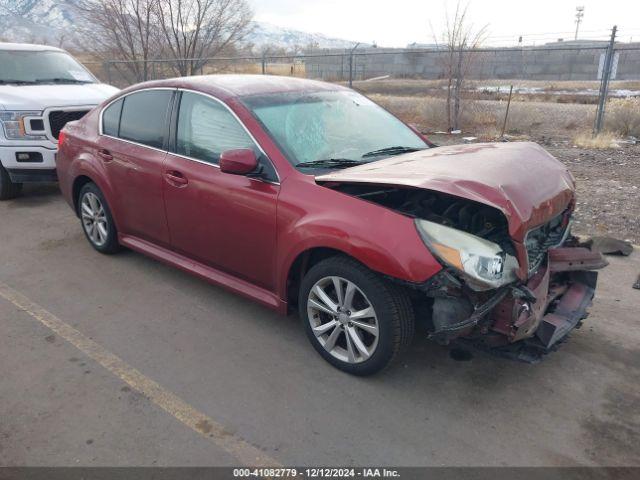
{"points": [[233, 85], [28, 47]]}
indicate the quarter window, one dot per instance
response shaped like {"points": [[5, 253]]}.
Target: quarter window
{"points": [[206, 129], [111, 119], [144, 117]]}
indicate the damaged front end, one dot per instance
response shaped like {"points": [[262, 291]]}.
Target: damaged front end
{"points": [[516, 298], [518, 302], [524, 320]]}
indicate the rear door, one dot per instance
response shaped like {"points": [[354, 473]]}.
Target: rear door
{"points": [[223, 220], [133, 149]]}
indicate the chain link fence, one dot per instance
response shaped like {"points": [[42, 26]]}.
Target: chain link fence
{"points": [[550, 91]]}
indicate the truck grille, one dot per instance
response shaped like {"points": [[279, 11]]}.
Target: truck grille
{"points": [[59, 118], [541, 239]]}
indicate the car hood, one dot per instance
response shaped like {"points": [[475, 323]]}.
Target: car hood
{"points": [[521, 179], [39, 97]]}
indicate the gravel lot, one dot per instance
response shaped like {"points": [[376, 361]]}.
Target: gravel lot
{"points": [[608, 190]]}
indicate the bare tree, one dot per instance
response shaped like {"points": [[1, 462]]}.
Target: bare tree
{"points": [[460, 39], [123, 30], [196, 30]]}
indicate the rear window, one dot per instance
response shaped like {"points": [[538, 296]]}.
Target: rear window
{"points": [[111, 119], [144, 117]]}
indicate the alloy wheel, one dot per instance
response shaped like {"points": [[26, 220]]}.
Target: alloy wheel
{"points": [[343, 319], [94, 219]]}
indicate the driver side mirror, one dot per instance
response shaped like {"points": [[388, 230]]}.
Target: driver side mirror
{"points": [[241, 161]]}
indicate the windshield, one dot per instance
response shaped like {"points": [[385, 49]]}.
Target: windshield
{"points": [[25, 67], [322, 129]]}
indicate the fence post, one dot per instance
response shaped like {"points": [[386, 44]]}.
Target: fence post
{"points": [[604, 83], [351, 64], [506, 113], [264, 63], [106, 66]]}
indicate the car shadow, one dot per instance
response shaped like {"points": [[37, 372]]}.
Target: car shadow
{"points": [[35, 194]]}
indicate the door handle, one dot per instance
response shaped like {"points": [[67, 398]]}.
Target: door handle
{"points": [[176, 178], [105, 155]]}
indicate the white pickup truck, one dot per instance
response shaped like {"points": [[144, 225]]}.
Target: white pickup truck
{"points": [[41, 89]]}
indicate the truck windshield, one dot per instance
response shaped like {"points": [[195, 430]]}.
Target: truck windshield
{"points": [[332, 129], [29, 67]]}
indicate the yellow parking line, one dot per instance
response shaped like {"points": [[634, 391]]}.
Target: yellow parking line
{"points": [[204, 425]]}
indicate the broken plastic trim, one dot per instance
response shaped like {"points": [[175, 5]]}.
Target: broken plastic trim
{"points": [[478, 314]]}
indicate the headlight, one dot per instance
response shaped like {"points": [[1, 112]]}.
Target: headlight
{"points": [[482, 262], [14, 127]]}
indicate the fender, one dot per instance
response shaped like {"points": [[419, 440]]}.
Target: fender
{"points": [[350, 227]]}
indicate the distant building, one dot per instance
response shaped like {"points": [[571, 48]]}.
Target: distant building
{"points": [[430, 46], [577, 43]]}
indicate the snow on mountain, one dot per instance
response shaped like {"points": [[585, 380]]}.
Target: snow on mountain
{"points": [[55, 22], [267, 34]]}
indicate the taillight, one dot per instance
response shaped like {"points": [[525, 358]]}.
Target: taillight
{"points": [[61, 138]]}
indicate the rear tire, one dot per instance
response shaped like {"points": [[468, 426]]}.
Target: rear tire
{"points": [[96, 220], [8, 189], [361, 332]]}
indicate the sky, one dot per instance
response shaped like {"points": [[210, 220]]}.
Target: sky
{"points": [[396, 23]]}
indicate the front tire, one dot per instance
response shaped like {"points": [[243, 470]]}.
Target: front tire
{"points": [[97, 222], [8, 189], [356, 321]]}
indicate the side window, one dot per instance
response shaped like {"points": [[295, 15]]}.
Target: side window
{"points": [[206, 129], [144, 115], [111, 118]]}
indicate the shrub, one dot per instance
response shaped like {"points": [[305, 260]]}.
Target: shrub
{"points": [[623, 116], [602, 141]]}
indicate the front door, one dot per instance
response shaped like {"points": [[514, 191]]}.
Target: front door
{"points": [[223, 220]]}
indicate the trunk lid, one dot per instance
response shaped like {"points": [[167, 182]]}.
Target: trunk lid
{"points": [[521, 179]]}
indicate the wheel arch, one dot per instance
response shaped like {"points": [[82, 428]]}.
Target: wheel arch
{"points": [[84, 176], [79, 182], [302, 263]]}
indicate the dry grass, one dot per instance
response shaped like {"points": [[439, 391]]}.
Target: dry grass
{"points": [[284, 69], [623, 116], [602, 141], [484, 118], [434, 87]]}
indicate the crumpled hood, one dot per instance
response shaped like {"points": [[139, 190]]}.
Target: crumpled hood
{"points": [[521, 179], [39, 97]]}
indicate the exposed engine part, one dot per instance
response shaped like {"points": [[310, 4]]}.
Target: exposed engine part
{"points": [[541, 239], [472, 217]]}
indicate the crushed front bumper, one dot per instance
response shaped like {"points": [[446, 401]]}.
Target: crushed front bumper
{"points": [[529, 320]]}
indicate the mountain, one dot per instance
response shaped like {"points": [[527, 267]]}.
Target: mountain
{"points": [[263, 34], [54, 22]]}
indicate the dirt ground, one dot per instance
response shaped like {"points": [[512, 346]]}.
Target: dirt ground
{"points": [[608, 184], [608, 190]]}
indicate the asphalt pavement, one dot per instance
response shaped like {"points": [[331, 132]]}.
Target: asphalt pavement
{"points": [[121, 360]]}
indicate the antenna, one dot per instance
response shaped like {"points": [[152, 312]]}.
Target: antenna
{"points": [[579, 15]]}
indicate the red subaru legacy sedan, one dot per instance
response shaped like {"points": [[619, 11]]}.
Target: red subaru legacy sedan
{"points": [[306, 195]]}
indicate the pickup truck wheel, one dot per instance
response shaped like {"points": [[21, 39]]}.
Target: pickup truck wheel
{"points": [[8, 189], [96, 219], [355, 319]]}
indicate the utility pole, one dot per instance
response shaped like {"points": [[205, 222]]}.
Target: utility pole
{"points": [[604, 83], [351, 64], [579, 15]]}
